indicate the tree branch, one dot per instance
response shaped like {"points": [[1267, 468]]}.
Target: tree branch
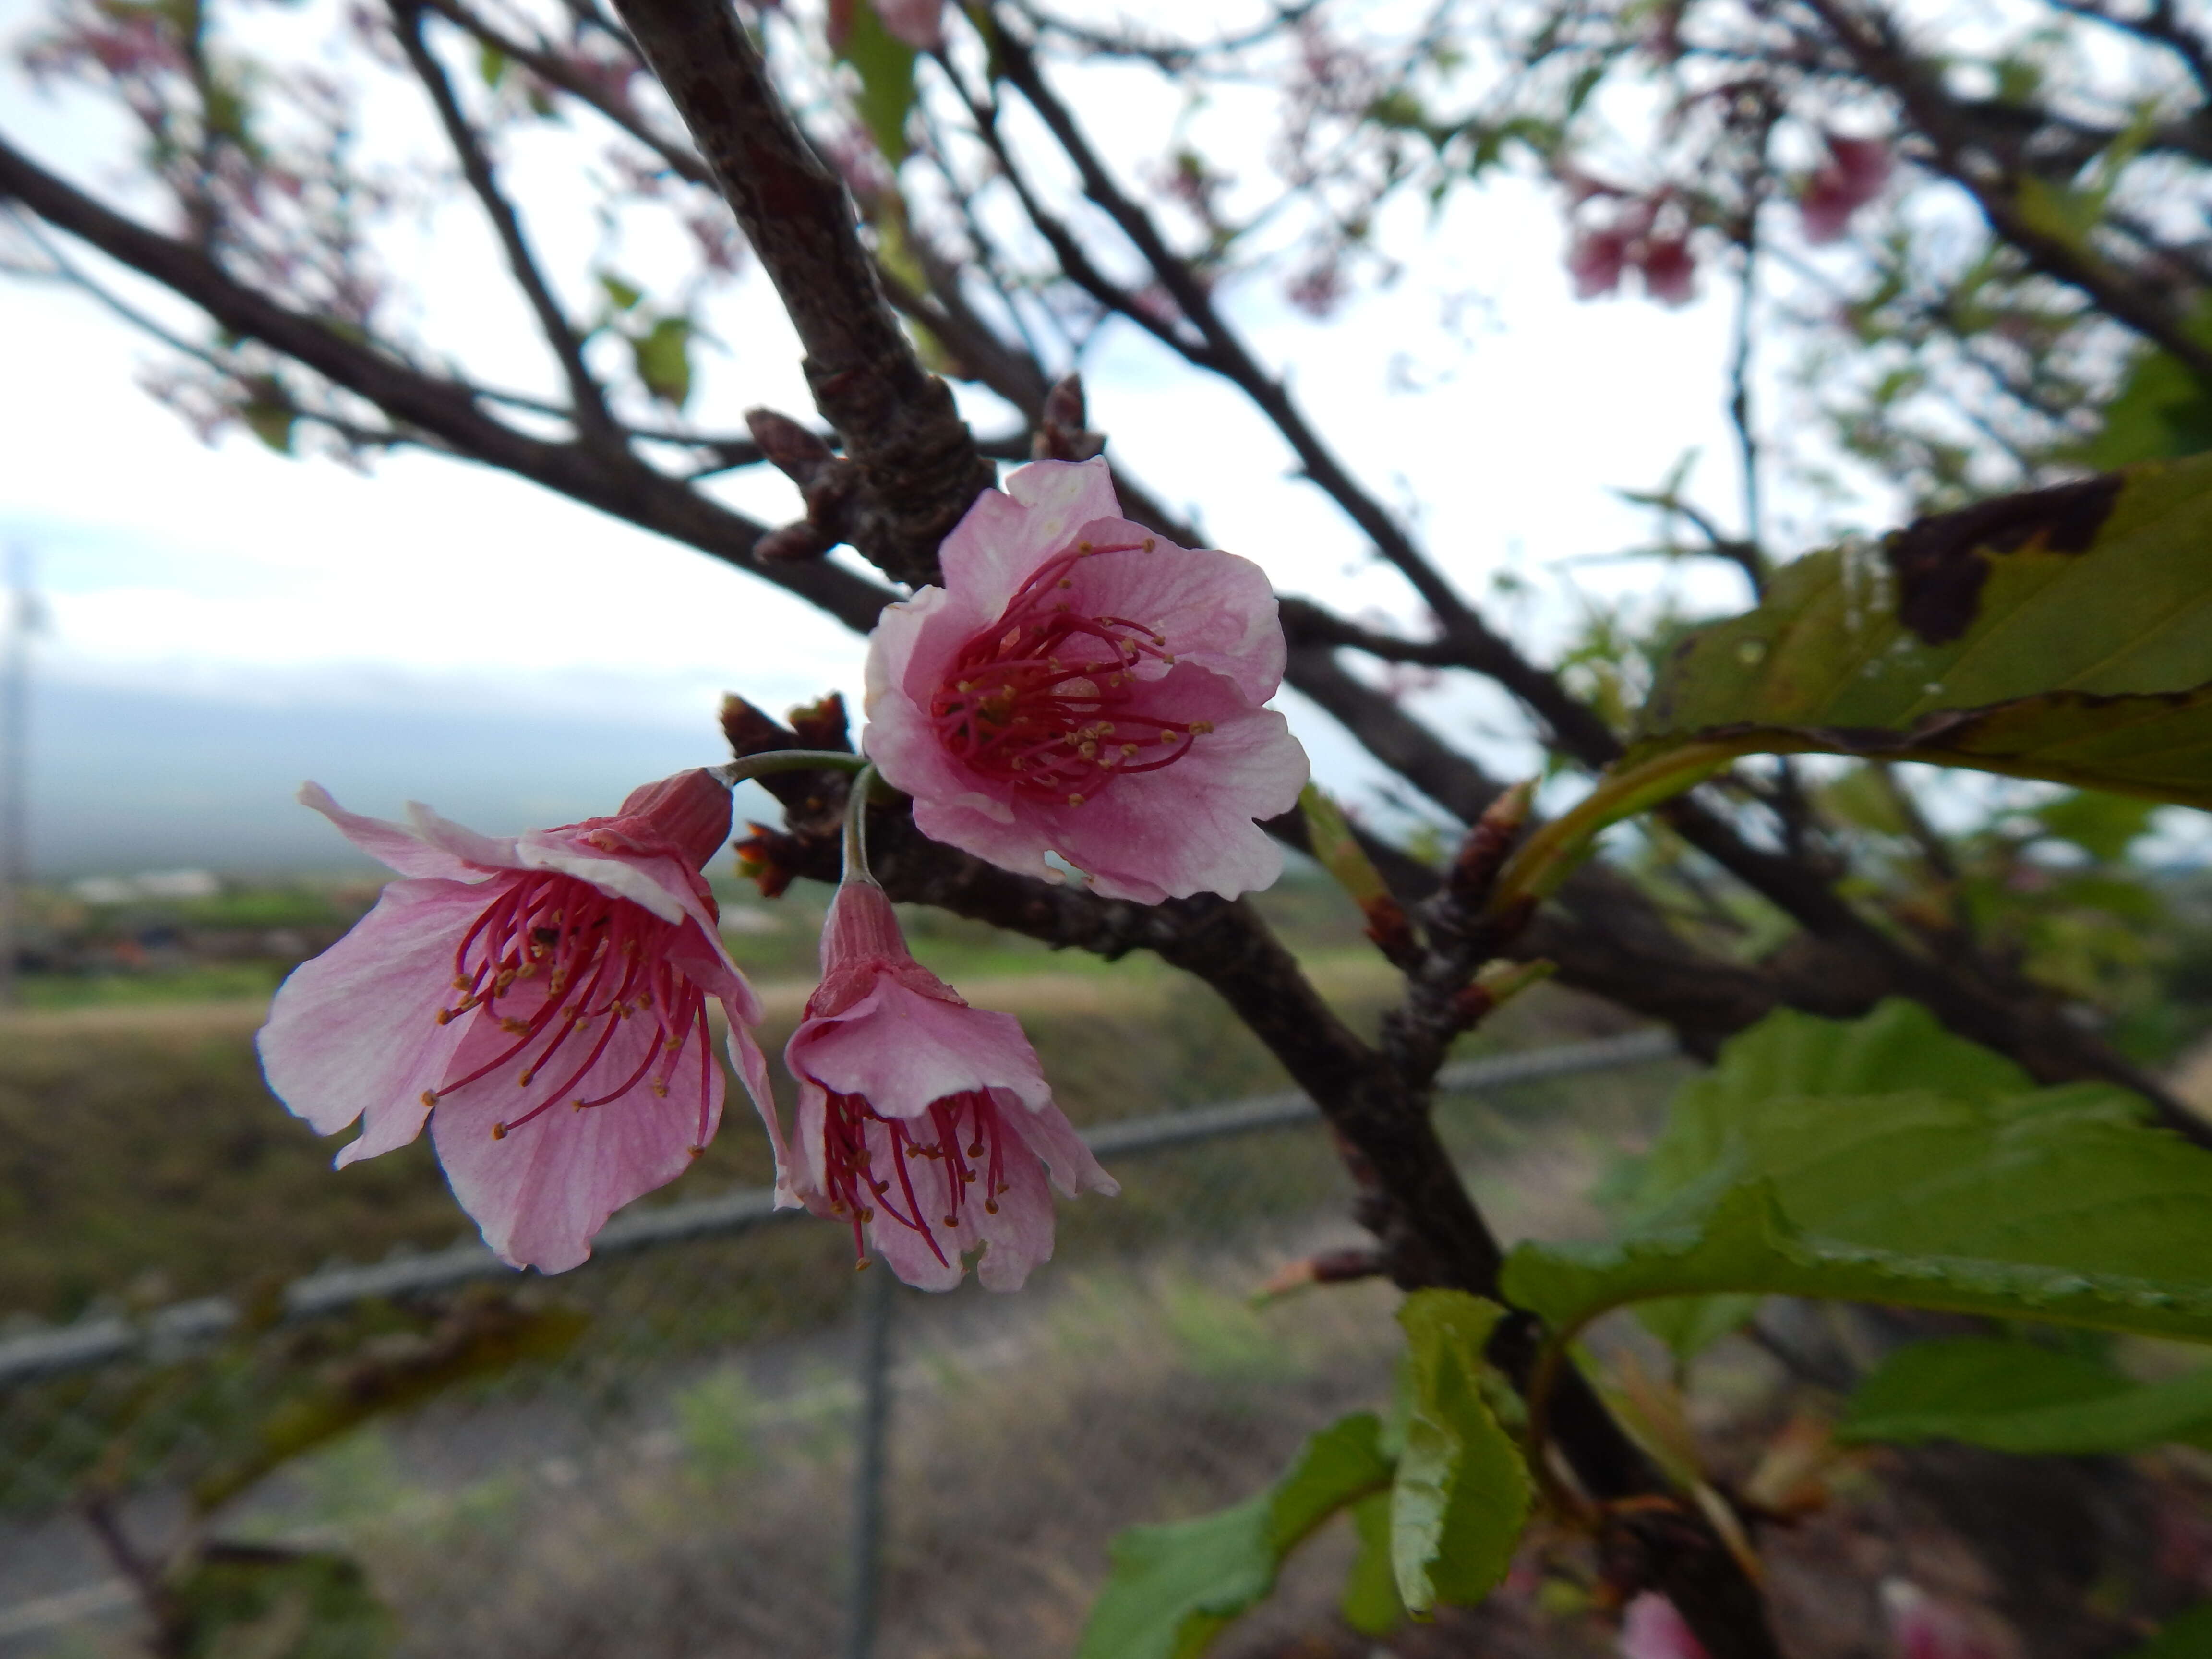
{"points": [[1875, 47], [918, 466], [617, 484], [589, 414]]}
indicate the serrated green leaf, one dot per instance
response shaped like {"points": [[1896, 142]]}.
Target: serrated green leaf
{"points": [[1174, 1587], [663, 354], [2063, 635], [1463, 1493], [2023, 1397], [885, 65], [2186, 1636], [1803, 1165], [1370, 1604]]}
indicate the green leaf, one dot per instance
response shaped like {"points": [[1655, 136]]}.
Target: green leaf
{"points": [[1370, 1604], [240, 1601], [1462, 1494], [1688, 1325], [885, 64], [2057, 635], [2162, 409], [1883, 1160], [270, 422], [664, 360], [2023, 1397], [1334, 848], [2186, 1636], [491, 63], [622, 296], [1173, 1588], [2103, 826]]}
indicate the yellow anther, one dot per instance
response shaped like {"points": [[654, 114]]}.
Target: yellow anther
{"points": [[1075, 800], [430, 1098], [499, 1131], [990, 1207]]}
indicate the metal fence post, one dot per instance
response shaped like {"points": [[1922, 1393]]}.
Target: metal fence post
{"points": [[879, 1300]]}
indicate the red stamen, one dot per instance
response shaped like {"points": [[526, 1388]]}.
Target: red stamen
{"points": [[1038, 701], [582, 943]]}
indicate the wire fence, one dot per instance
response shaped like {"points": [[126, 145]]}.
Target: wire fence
{"points": [[711, 1439]]}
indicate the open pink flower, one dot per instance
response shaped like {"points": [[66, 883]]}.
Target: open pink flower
{"points": [[540, 999], [1081, 686], [923, 1122]]}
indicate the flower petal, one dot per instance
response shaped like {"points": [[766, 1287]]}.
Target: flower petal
{"points": [[542, 1191], [1048, 1133], [1007, 536], [355, 1033], [390, 843], [1215, 611], [901, 1050]]}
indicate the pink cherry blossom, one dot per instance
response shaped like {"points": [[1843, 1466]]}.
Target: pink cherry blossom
{"points": [[925, 1124], [1669, 270], [1854, 175], [1653, 1629], [1083, 686], [540, 1000]]}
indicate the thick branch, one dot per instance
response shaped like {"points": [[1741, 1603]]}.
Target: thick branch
{"points": [[918, 464]]}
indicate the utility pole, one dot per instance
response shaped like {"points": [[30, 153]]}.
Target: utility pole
{"points": [[20, 621]]}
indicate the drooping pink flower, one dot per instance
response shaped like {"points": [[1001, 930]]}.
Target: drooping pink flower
{"points": [[924, 1123], [1854, 174], [1669, 270], [540, 1000], [1595, 259], [1652, 1629], [1083, 686]]}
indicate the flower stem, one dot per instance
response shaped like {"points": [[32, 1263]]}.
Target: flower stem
{"points": [[788, 760], [856, 825]]}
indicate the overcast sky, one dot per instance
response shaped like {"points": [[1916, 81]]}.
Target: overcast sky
{"points": [[225, 621]]}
